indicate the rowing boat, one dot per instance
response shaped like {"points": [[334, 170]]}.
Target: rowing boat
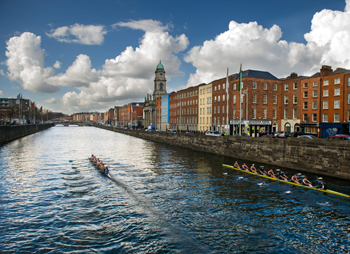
{"points": [[292, 183], [102, 172]]}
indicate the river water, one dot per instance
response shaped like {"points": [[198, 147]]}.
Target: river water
{"points": [[161, 199]]}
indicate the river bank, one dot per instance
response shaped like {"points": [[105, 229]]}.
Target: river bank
{"points": [[321, 156]]}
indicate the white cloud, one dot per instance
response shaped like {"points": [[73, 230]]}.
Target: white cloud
{"points": [[25, 63], [51, 101], [262, 49], [2, 73], [57, 65], [88, 35], [1, 93], [78, 74]]}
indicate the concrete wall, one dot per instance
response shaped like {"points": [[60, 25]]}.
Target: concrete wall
{"points": [[11, 132], [325, 157]]}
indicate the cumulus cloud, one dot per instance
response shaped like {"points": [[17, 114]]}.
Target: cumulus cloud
{"points": [[1, 93], [78, 74], [88, 35], [262, 48], [57, 65], [25, 63], [51, 101]]}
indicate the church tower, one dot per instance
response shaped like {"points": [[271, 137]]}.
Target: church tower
{"points": [[159, 81]]}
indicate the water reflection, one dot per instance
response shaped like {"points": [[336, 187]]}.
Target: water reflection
{"points": [[160, 199]]}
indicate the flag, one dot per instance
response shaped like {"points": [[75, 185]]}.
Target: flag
{"points": [[158, 105], [129, 109], [240, 78], [33, 105], [18, 100], [115, 111]]}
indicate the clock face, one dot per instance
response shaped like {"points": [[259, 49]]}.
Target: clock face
{"points": [[161, 74]]}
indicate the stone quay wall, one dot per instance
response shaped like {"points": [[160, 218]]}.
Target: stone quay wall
{"points": [[321, 156], [11, 132]]}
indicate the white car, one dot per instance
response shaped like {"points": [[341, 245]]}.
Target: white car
{"points": [[171, 130], [213, 133]]}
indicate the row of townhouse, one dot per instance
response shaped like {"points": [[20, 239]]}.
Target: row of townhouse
{"points": [[318, 105]]}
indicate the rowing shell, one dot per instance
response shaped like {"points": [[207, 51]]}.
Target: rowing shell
{"points": [[292, 183], [108, 175]]}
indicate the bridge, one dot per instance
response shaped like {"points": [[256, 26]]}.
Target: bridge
{"points": [[74, 123]]}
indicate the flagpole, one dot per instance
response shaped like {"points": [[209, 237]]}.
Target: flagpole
{"points": [[240, 97], [226, 101]]}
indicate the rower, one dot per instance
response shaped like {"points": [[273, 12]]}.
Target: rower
{"points": [[271, 173], [245, 167], [323, 184], [307, 182], [106, 170], [253, 169], [236, 165], [295, 179], [282, 176], [262, 171]]}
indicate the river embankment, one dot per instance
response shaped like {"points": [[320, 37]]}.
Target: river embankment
{"points": [[11, 132], [321, 156]]}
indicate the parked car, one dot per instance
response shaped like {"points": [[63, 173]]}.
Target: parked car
{"points": [[213, 133], [283, 134], [308, 136], [151, 128], [266, 136], [171, 130], [340, 137], [242, 135]]}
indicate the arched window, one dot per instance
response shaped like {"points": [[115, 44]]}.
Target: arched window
{"points": [[160, 86], [287, 127]]}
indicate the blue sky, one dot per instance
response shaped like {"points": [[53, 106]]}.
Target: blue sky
{"points": [[74, 56]]}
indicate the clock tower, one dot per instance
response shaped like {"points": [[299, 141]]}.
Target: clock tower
{"points": [[159, 81]]}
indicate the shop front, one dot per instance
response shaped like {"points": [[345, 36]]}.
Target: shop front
{"points": [[251, 127]]}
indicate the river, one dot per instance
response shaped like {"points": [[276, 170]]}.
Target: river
{"points": [[161, 199]]}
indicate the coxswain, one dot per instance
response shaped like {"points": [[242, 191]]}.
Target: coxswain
{"points": [[262, 171], [307, 182], [271, 173], [295, 179], [236, 165], [253, 169], [106, 170]]}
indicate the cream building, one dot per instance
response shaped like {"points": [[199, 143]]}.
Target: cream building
{"points": [[205, 107]]}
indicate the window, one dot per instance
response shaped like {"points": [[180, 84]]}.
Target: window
{"points": [[325, 117], [274, 113], [295, 85], [215, 99], [215, 110], [218, 120], [264, 113], [275, 87], [325, 93], [285, 87], [200, 111], [305, 105], [305, 118], [325, 104], [336, 104], [348, 98], [295, 99], [218, 87], [265, 86], [254, 113], [314, 117], [336, 81], [203, 90], [254, 85], [314, 105], [314, 93], [218, 109], [203, 101], [234, 87], [336, 117], [314, 84], [305, 94], [286, 113], [348, 81], [275, 99], [214, 88], [218, 98], [223, 98], [337, 91], [223, 86], [234, 113], [223, 109], [305, 85], [286, 99], [254, 98], [200, 91], [234, 99], [325, 83], [264, 99], [295, 113]]}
